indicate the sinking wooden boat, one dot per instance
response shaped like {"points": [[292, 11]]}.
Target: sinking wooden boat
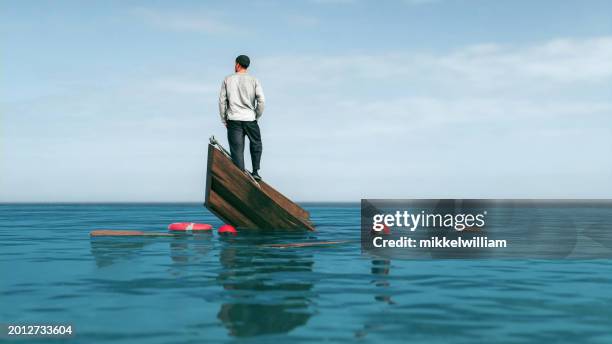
{"points": [[238, 199]]}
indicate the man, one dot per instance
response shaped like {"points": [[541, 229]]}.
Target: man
{"points": [[241, 104]]}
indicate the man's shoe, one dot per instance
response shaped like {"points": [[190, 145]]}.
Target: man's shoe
{"points": [[256, 176]]}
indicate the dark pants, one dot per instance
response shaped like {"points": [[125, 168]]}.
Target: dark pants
{"points": [[236, 130]]}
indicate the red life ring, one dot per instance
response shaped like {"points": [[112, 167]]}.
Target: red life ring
{"points": [[189, 226]]}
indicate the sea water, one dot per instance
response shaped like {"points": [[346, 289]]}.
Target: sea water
{"points": [[208, 288]]}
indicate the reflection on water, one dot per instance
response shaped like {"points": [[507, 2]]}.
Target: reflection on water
{"points": [[108, 251], [183, 248], [190, 248], [267, 295], [380, 271]]}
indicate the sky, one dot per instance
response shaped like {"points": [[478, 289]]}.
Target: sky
{"points": [[114, 101]]}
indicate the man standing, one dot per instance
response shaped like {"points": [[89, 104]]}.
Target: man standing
{"points": [[241, 104]]}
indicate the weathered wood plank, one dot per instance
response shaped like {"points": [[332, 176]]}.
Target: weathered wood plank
{"points": [[113, 232], [285, 202], [308, 244], [220, 206]]}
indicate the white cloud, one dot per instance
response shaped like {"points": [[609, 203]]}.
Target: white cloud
{"points": [[409, 2], [560, 60], [553, 63], [193, 21]]}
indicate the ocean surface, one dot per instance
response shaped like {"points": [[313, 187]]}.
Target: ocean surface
{"points": [[208, 288]]}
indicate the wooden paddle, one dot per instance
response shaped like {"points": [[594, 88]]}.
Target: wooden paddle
{"points": [[128, 233], [111, 232], [307, 244]]}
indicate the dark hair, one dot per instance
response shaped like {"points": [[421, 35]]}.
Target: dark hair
{"points": [[243, 61]]}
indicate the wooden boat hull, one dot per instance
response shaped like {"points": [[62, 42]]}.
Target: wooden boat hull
{"points": [[237, 199]]}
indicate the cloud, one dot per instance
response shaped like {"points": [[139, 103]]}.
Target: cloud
{"points": [[554, 63], [214, 23], [559, 60], [344, 2], [192, 21]]}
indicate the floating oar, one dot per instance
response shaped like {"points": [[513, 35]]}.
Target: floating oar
{"points": [[124, 233], [110, 232], [307, 244]]}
